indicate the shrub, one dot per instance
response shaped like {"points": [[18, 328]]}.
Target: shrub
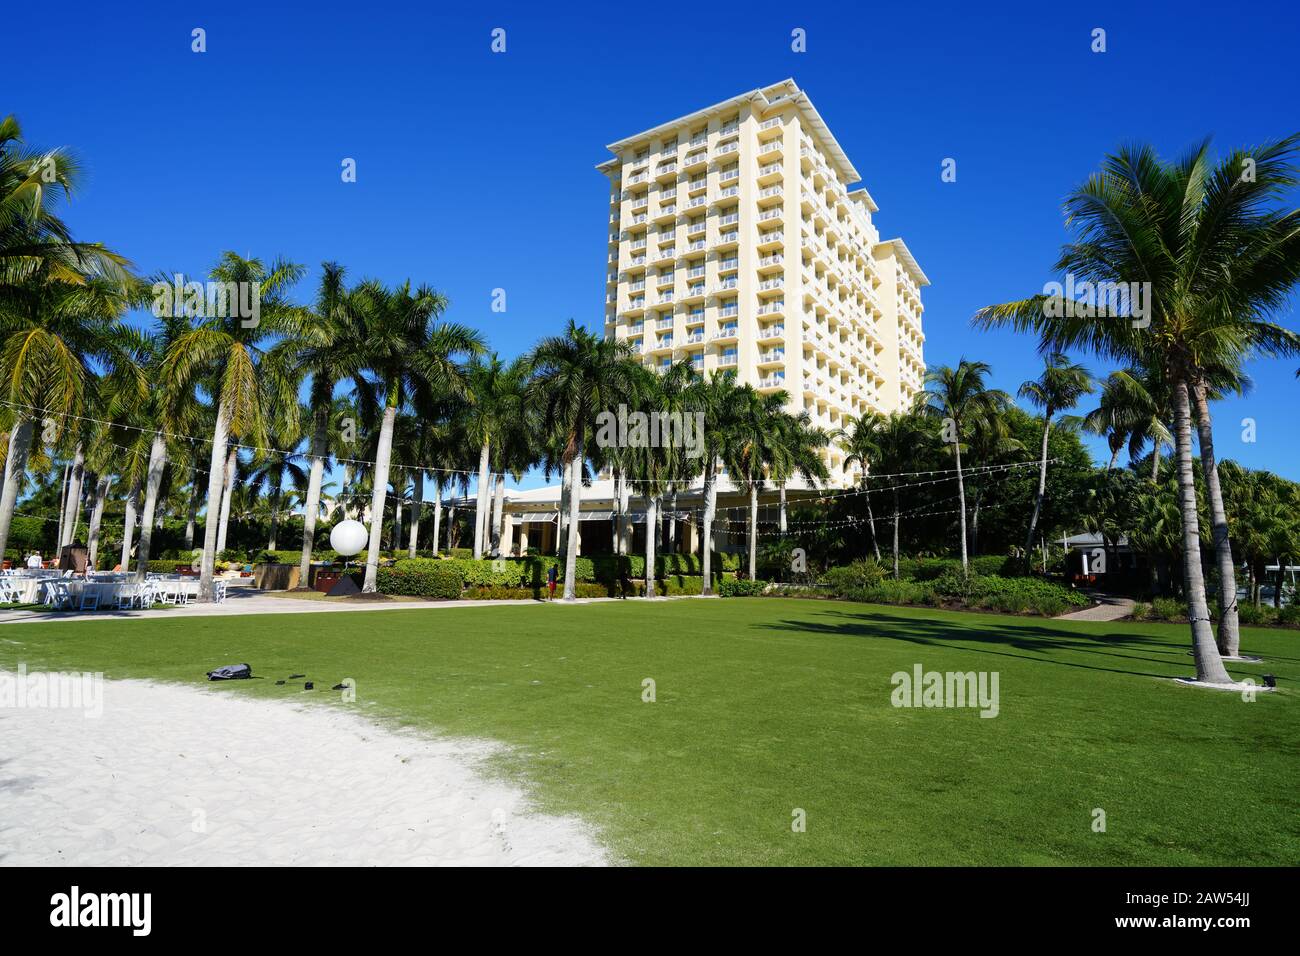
{"points": [[890, 591], [736, 587], [1140, 611], [501, 594], [421, 577], [1253, 616], [859, 574], [1289, 616], [1168, 609]]}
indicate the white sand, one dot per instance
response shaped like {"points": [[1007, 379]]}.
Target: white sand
{"points": [[276, 783]]}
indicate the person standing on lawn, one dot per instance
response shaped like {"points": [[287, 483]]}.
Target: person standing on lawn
{"points": [[552, 575]]}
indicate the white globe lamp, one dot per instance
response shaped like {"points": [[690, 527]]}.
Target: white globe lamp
{"points": [[348, 537]]}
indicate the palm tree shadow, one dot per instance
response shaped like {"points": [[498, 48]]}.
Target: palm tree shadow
{"points": [[992, 638]]}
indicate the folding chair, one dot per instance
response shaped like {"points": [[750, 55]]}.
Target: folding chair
{"points": [[9, 593], [89, 597], [57, 595], [219, 591]]}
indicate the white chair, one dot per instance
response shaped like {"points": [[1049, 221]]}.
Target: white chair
{"points": [[9, 592], [89, 597], [57, 594], [219, 592]]}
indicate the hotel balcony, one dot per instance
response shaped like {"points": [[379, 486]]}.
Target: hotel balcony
{"points": [[770, 151], [771, 196], [727, 192], [728, 361], [771, 333], [776, 214], [664, 325], [771, 357], [726, 285], [696, 159], [694, 293], [774, 285], [635, 330], [694, 338], [635, 307], [727, 333], [666, 171], [770, 174], [771, 381], [772, 308], [769, 128], [728, 312], [696, 272], [772, 263], [697, 228], [695, 318], [729, 176], [728, 265], [726, 149], [668, 252], [663, 344], [729, 219], [770, 241], [727, 240], [666, 213]]}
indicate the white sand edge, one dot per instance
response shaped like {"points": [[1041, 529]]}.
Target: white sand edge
{"points": [[175, 775]]}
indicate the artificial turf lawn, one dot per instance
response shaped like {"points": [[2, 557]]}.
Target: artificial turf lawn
{"points": [[768, 705]]}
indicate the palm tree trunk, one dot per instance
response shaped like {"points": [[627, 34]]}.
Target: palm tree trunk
{"points": [[396, 543], [1114, 457], [377, 498], [753, 531], [575, 506], [128, 525], [1155, 464], [783, 517], [562, 517], [63, 505], [157, 461], [975, 520], [895, 534], [651, 516], [961, 506], [451, 520], [1209, 665], [480, 512], [706, 539], [616, 522], [1042, 485], [102, 485], [319, 439], [672, 522], [227, 493], [1229, 639], [871, 523], [71, 506], [273, 538], [20, 445], [211, 523], [498, 512], [417, 504], [437, 516], [191, 521]]}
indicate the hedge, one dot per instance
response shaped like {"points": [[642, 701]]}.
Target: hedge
{"points": [[420, 577], [741, 587]]}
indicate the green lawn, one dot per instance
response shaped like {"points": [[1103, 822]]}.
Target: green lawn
{"points": [[768, 705]]}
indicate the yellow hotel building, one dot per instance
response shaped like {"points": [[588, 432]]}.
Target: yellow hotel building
{"points": [[736, 242]]}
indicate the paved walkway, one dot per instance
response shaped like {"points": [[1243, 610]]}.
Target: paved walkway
{"points": [[248, 600], [1105, 607]]}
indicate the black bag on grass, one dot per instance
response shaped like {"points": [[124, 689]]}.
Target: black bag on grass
{"points": [[231, 672]]}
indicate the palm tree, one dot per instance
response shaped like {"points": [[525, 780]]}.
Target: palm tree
{"points": [[1059, 388], [1128, 415], [897, 439], [1214, 259], [332, 354], [861, 447], [750, 448], [959, 400], [233, 359], [576, 376], [405, 343], [714, 397]]}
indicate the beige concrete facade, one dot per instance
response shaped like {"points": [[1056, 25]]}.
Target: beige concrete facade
{"points": [[736, 243]]}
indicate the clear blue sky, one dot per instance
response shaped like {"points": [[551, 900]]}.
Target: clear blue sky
{"points": [[475, 170]]}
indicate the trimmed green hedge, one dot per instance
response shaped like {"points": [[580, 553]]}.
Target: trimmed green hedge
{"points": [[737, 587], [421, 577]]}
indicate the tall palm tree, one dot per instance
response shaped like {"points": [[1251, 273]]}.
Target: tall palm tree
{"points": [[233, 358], [750, 449], [332, 354], [959, 400], [1215, 258], [861, 447], [714, 397], [1059, 388], [576, 376], [406, 341], [897, 439]]}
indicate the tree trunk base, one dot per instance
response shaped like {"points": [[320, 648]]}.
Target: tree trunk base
{"points": [[1236, 686], [1236, 657]]}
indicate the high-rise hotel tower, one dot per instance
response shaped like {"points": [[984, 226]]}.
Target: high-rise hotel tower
{"points": [[735, 242]]}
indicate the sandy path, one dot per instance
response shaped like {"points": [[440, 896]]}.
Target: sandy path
{"points": [[176, 775]]}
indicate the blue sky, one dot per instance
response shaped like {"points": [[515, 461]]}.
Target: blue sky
{"points": [[475, 170]]}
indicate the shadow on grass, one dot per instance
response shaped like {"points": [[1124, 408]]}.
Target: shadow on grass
{"points": [[991, 636]]}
